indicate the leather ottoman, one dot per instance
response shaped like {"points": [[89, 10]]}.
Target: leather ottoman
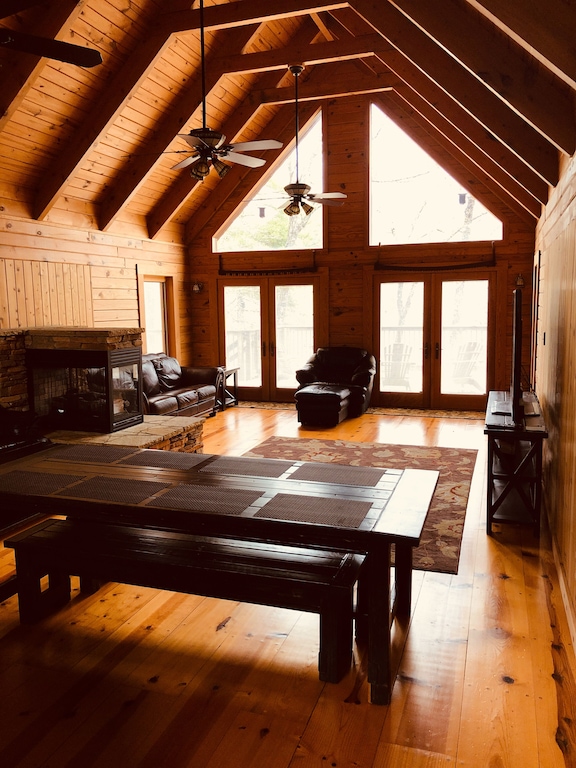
{"points": [[322, 405]]}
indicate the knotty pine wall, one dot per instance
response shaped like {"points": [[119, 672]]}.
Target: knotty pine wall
{"points": [[57, 275], [556, 373]]}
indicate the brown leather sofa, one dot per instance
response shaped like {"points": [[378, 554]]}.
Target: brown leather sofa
{"points": [[169, 389]]}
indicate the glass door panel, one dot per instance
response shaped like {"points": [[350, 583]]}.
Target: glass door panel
{"points": [[269, 332], [243, 333], [433, 338], [464, 333], [294, 331], [401, 337]]}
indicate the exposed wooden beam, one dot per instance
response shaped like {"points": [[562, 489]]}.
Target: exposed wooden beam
{"points": [[345, 84], [103, 114], [319, 53], [463, 87], [318, 19], [135, 172], [237, 14], [545, 30], [485, 51]]}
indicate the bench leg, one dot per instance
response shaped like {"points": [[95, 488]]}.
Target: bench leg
{"points": [[89, 586], [35, 603], [335, 654]]}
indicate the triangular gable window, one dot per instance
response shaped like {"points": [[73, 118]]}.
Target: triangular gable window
{"points": [[262, 225], [413, 199]]}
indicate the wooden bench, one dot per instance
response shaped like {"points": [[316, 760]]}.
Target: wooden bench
{"points": [[287, 577]]}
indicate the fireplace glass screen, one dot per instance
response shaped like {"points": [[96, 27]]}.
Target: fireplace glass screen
{"points": [[94, 398]]}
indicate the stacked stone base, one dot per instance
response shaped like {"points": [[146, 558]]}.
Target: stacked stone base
{"points": [[166, 433]]}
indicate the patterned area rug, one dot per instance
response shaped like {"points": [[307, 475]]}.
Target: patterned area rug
{"points": [[378, 411], [439, 549]]}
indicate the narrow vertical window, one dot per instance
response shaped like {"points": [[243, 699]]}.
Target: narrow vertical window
{"points": [[155, 315]]}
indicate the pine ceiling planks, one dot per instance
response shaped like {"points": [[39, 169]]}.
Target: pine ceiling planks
{"points": [[491, 86]]}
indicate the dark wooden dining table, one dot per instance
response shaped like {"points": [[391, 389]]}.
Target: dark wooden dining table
{"points": [[371, 510]]}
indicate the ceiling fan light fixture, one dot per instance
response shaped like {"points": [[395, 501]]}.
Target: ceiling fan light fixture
{"points": [[292, 209], [220, 167], [200, 170], [307, 208]]}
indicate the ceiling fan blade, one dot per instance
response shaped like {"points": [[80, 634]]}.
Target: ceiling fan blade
{"points": [[50, 49], [185, 163], [327, 196], [254, 145], [10, 7], [251, 162], [324, 201]]}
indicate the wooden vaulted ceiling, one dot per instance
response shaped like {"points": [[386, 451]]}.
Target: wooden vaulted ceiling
{"points": [[492, 81]]}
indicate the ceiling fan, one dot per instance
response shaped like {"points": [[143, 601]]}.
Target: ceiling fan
{"points": [[209, 146], [300, 193], [43, 46]]}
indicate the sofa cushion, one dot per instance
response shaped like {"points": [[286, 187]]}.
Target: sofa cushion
{"points": [[322, 395], [162, 404], [168, 371], [150, 383], [185, 397], [205, 391]]}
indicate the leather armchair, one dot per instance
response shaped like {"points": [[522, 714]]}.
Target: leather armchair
{"points": [[351, 367]]}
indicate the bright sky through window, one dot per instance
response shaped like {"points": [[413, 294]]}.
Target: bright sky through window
{"points": [[413, 199]]}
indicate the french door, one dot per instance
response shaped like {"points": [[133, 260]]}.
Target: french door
{"points": [[433, 338], [269, 331]]}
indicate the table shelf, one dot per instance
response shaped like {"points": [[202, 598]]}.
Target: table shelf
{"points": [[514, 488]]}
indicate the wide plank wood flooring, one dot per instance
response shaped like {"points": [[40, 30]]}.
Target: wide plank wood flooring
{"points": [[138, 677]]}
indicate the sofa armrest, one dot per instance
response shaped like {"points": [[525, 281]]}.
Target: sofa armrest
{"points": [[365, 372], [307, 374], [201, 375]]}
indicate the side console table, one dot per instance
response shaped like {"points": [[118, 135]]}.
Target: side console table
{"points": [[514, 489]]}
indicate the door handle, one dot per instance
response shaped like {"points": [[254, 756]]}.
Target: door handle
{"points": [[272, 349], [426, 350]]}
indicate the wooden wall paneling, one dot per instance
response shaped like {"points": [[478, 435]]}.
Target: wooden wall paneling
{"points": [[5, 289], [64, 276], [556, 239], [19, 293], [346, 139], [40, 294]]}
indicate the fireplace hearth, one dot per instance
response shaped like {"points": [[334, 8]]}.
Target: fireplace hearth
{"points": [[93, 390]]}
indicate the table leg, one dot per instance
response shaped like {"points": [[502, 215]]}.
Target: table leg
{"points": [[403, 578], [376, 583]]}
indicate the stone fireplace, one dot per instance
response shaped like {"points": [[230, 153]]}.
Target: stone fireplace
{"points": [[85, 379]]}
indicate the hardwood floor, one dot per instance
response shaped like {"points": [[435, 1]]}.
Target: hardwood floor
{"points": [[137, 677]]}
